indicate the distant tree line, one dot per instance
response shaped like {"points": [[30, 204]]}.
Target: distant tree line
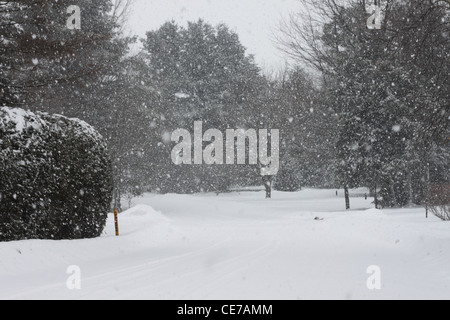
{"points": [[357, 107], [389, 89]]}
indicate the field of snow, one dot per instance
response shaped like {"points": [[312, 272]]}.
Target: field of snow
{"points": [[241, 246]]}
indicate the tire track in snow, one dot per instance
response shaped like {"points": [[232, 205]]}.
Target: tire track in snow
{"points": [[91, 283]]}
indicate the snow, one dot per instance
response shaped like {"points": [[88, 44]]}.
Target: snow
{"points": [[240, 246], [24, 120], [182, 95], [85, 128], [21, 118]]}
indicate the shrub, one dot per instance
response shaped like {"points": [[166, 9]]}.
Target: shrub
{"points": [[438, 201], [56, 177]]}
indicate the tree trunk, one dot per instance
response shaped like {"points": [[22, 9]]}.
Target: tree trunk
{"points": [[268, 185], [376, 197], [347, 198]]}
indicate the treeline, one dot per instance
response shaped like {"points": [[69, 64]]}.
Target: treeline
{"points": [[389, 89], [376, 116], [202, 73], [86, 74], [182, 74]]}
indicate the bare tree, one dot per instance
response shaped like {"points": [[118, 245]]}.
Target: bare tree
{"points": [[121, 11]]}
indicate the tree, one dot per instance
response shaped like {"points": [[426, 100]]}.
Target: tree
{"points": [[307, 146], [390, 94], [202, 73], [87, 74], [40, 53]]}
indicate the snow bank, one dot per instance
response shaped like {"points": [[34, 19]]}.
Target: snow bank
{"points": [[144, 211], [240, 246], [144, 215]]}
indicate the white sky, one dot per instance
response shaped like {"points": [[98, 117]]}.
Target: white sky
{"points": [[255, 21]]}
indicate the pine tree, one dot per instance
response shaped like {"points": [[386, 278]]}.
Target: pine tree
{"points": [[86, 74], [202, 73], [42, 55]]}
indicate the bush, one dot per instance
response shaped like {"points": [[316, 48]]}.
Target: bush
{"points": [[438, 201], [56, 177]]}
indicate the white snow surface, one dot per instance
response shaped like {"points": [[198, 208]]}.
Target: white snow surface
{"points": [[24, 120], [21, 118], [240, 246]]}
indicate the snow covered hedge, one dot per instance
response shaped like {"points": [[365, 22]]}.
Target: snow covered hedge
{"points": [[55, 177]]}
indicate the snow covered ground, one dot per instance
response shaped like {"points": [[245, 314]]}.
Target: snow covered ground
{"points": [[240, 246]]}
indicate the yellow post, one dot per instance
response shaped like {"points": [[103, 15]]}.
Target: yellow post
{"points": [[116, 222]]}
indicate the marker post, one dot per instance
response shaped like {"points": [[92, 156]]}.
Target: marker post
{"points": [[116, 222]]}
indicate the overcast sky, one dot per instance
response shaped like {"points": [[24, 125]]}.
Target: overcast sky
{"points": [[254, 20]]}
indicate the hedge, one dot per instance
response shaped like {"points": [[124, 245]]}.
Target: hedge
{"points": [[55, 177]]}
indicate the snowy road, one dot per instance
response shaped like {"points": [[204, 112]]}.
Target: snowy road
{"points": [[240, 246]]}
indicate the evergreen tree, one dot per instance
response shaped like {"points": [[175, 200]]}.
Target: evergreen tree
{"points": [[40, 54], [202, 73], [85, 73], [389, 88]]}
